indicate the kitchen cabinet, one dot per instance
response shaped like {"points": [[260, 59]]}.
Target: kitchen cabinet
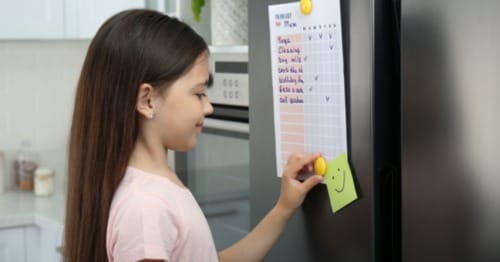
{"points": [[32, 19], [31, 227], [12, 244], [63, 19], [84, 17], [30, 244], [80, 19], [49, 244]]}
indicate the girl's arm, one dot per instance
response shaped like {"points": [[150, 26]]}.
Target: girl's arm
{"points": [[255, 246]]}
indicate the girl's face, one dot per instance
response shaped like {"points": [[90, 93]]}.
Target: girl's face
{"points": [[181, 110]]}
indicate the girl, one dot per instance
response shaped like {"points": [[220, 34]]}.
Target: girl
{"points": [[142, 91]]}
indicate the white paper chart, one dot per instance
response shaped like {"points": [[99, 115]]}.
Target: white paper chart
{"points": [[308, 80]]}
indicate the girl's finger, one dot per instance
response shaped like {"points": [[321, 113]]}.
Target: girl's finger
{"points": [[297, 162]]}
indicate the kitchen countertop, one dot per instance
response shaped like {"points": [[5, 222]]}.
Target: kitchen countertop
{"points": [[19, 209]]}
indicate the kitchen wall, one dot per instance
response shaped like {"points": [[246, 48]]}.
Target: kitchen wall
{"points": [[37, 84]]}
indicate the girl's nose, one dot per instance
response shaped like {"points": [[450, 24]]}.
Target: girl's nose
{"points": [[209, 109]]}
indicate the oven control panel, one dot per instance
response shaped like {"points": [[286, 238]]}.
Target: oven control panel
{"points": [[229, 68]]}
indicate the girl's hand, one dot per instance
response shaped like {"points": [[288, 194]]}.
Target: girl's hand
{"points": [[293, 191]]}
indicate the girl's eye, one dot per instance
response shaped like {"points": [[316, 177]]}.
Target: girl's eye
{"points": [[201, 95]]}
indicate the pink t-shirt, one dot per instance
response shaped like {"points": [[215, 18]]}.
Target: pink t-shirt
{"points": [[153, 218]]}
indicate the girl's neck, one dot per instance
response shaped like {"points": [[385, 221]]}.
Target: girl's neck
{"points": [[150, 157]]}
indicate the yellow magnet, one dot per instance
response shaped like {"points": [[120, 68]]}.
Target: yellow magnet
{"points": [[306, 6], [320, 166]]}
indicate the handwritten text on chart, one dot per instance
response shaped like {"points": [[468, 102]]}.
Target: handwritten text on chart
{"points": [[288, 89], [290, 69], [291, 59], [284, 99]]}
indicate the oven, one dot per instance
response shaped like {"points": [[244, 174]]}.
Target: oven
{"points": [[217, 171]]}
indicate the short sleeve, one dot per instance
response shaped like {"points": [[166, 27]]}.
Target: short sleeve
{"points": [[143, 228]]}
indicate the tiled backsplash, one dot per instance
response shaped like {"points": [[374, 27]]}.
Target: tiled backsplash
{"points": [[37, 84]]}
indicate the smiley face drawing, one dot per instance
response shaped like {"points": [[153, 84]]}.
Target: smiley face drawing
{"points": [[339, 183]]}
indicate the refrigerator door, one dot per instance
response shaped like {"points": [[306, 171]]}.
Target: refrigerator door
{"points": [[450, 123], [314, 233]]}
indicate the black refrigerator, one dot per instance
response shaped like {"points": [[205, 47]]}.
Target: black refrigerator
{"points": [[450, 70], [422, 83]]}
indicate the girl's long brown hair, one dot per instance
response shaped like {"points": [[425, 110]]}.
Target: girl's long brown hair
{"points": [[131, 48]]}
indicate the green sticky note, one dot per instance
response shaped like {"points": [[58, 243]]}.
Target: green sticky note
{"points": [[340, 183]]}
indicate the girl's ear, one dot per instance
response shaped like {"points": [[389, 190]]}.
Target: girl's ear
{"points": [[145, 98]]}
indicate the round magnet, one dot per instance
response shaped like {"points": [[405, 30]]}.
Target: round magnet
{"points": [[305, 6], [320, 166]]}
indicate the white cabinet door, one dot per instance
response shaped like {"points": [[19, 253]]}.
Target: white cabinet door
{"points": [[12, 244], [32, 19], [32, 244], [84, 17], [61, 19], [50, 243]]}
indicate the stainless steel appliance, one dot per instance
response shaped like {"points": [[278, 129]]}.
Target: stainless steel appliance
{"points": [[422, 115], [217, 171], [314, 233], [450, 170]]}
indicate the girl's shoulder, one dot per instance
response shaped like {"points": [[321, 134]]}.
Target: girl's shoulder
{"points": [[140, 188], [140, 180]]}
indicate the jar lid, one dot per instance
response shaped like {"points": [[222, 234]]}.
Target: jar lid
{"points": [[44, 171]]}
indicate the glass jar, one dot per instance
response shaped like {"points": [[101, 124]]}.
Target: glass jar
{"points": [[24, 168], [44, 181]]}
